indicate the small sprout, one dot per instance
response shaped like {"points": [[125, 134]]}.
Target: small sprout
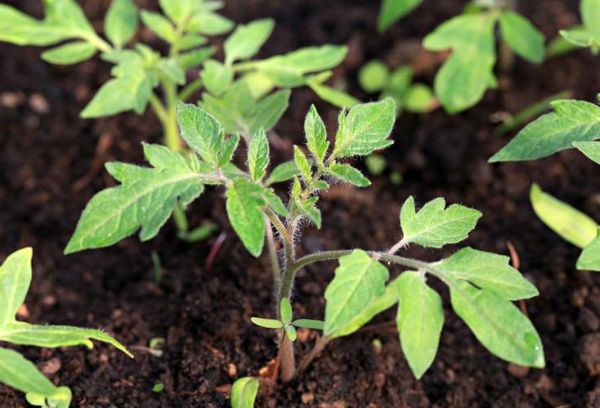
{"points": [[158, 388], [267, 323], [155, 346]]}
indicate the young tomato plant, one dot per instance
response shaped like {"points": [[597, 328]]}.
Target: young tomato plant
{"points": [[573, 124], [463, 79], [482, 284], [15, 370]]}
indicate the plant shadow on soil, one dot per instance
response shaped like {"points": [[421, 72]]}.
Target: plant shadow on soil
{"points": [[51, 165]]}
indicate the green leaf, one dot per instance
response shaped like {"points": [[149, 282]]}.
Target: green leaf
{"points": [[283, 172], [209, 23], [119, 95], [579, 37], [15, 278], [309, 209], [121, 22], [258, 155], [244, 208], [189, 41], [590, 257], [290, 332], [267, 323], [358, 280], [309, 324], [590, 149], [216, 77], [195, 58], [373, 76], [498, 325], [247, 39], [178, 10], [392, 10], [522, 36], [487, 271], [71, 53], [159, 25], [590, 14], [435, 225], [302, 163], [275, 202], [201, 131], [365, 129], [316, 134], [243, 392], [67, 16], [420, 320], [144, 200], [348, 174], [461, 83], [571, 121], [568, 222], [269, 110], [21, 374], [21, 29], [172, 70], [334, 96], [285, 310]]}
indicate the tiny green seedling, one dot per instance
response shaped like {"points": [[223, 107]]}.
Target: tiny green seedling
{"points": [[15, 370], [464, 78], [482, 285]]}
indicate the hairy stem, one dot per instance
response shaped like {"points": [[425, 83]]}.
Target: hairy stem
{"points": [[275, 268]]}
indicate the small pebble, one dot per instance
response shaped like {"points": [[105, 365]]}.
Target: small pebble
{"points": [[231, 370], [39, 104]]}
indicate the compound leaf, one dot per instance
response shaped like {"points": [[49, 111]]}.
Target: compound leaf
{"points": [[269, 110]]}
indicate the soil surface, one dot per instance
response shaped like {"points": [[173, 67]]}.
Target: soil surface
{"points": [[51, 165]]}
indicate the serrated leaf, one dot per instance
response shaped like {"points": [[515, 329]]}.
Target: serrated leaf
{"points": [[571, 121], [316, 134], [216, 77], [392, 10], [309, 324], [121, 22], [348, 174], [590, 256], [522, 36], [590, 149], [568, 222], [460, 83], [243, 392], [302, 163], [247, 39], [488, 271], [15, 278], [266, 323], [358, 280], [159, 25], [420, 319], [244, 208], [71, 53], [365, 129], [434, 225], [258, 155], [201, 131], [498, 325], [144, 201], [283, 172]]}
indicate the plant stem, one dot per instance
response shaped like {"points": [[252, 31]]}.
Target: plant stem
{"points": [[286, 358], [314, 353], [189, 89], [172, 139], [275, 268]]}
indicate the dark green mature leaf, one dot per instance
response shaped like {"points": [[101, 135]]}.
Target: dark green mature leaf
{"points": [[15, 278], [420, 320], [365, 129], [590, 256], [568, 222], [243, 392], [460, 83], [522, 36], [348, 174], [121, 22], [258, 155], [71, 53], [244, 208], [144, 200], [316, 134], [358, 280], [498, 325], [216, 77], [488, 271], [590, 149], [392, 10], [247, 39], [435, 225], [571, 121]]}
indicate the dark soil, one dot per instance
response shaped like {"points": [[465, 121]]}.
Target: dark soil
{"points": [[50, 166]]}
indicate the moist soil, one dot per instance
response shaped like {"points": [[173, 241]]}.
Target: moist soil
{"points": [[51, 165]]}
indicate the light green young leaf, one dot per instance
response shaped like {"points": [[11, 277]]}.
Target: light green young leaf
{"points": [[283, 172], [334, 96], [309, 324], [159, 25], [460, 83], [195, 58], [178, 10], [233, 108], [269, 110], [590, 256], [244, 208], [290, 332], [285, 310], [258, 155], [309, 210], [216, 77], [71, 53], [522, 36], [487, 271], [189, 41], [579, 37], [373, 76], [121, 22], [21, 374], [266, 323], [119, 95], [590, 14], [365, 129], [348, 174], [275, 203], [302, 163], [15, 278], [358, 280], [201, 131], [209, 23], [498, 325], [316, 134], [243, 392], [420, 320], [392, 10], [590, 149], [247, 39], [571, 121], [568, 222], [435, 225], [21, 29], [171, 69], [144, 200]]}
